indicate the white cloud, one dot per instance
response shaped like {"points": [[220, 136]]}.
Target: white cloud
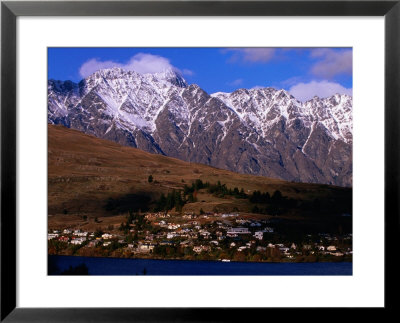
{"points": [[141, 63], [322, 89], [148, 63], [251, 55], [185, 71], [236, 82], [93, 65], [291, 81], [332, 62]]}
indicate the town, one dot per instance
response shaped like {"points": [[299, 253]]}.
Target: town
{"points": [[204, 236]]}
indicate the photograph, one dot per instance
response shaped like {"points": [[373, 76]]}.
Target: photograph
{"points": [[200, 161]]}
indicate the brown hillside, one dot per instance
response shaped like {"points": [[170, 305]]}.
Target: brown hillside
{"points": [[85, 171]]}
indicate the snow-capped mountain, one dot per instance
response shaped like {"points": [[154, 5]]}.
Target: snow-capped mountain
{"points": [[260, 131]]}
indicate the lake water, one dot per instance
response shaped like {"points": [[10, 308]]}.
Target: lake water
{"points": [[121, 266]]}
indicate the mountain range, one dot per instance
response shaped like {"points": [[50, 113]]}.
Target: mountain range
{"points": [[261, 131]]}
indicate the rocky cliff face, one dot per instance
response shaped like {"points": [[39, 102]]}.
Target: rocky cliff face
{"points": [[260, 131]]}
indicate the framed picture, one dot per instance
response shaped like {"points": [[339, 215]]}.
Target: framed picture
{"points": [[351, 47]]}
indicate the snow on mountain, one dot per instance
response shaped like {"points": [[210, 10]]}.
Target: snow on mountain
{"points": [[259, 131], [262, 108]]}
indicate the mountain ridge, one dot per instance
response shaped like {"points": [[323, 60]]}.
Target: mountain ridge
{"points": [[259, 131]]}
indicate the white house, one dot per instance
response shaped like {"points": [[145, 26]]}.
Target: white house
{"points": [[52, 236], [259, 235], [205, 234], [171, 235], [146, 247], [78, 241], [81, 234], [238, 230], [331, 248], [284, 249], [107, 236]]}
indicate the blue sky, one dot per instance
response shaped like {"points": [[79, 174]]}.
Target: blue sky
{"points": [[304, 72]]}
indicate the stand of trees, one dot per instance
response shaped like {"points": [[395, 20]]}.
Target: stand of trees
{"points": [[220, 190], [173, 199]]}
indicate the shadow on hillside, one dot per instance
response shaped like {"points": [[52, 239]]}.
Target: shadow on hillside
{"points": [[129, 202]]}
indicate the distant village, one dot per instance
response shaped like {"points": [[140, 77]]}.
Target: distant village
{"points": [[208, 236]]}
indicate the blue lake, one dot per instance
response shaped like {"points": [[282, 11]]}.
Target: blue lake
{"points": [[121, 266]]}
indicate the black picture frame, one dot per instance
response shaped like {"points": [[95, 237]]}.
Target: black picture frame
{"points": [[10, 10]]}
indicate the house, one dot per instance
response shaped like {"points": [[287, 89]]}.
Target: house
{"points": [[107, 236], [293, 246], [93, 243], [150, 237], [197, 249], [67, 231], [173, 226], [107, 243], [146, 247], [80, 234], [63, 239], [166, 243], [171, 235], [238, 230], [52, 236], [205, 234], [284, 249], [78, 241], [331, 248], [268, 230], [232, 244], [259, 235]]}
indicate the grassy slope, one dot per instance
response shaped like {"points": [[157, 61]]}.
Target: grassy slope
{"points": [[84, 171]]}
